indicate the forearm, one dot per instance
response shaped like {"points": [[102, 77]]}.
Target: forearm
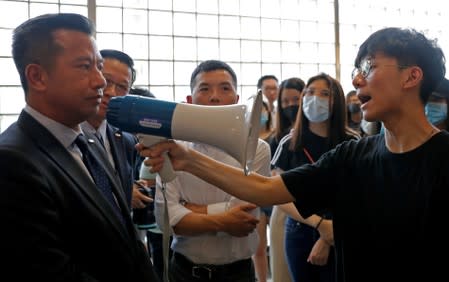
{"points": [[291, 210], [194, 224], [257, 187]]}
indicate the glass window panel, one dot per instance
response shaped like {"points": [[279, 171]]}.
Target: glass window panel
{"points": [[308, 52], [270, 9], [109, 19], [183, 71], [326, 33], [348, 53], [82, 10], [290, 9], [12, 100], [136, 46], [325, 11], [160, 23], [162, 92], [250, 28], [9, 77], [250, 73], [308, 31], [290, 70], [271, 29], [208, 49], [110, 41], [159, 5], [184, 24], [135, 21], [185, 49], [184, 5], [326, 53], [309, 10], [115, 3], [345, 78], [12, 14], [290, 52], [236, 66], [40, 9], [181, 93], [229, 50], [271, 51], [48, 1], [246, 92], [229, 7], [5, 42], [229, 27], [6, 121], [307, 71], [207, 6], [136, 4], [289, 30], [251, 51], [327, 68], [141, 68], [161, 73], [161, 47], [274, 69], [207, 25], [76, 2], [250, 8]]}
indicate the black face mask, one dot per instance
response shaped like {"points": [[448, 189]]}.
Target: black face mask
{"points": [[290, 112], [354, 108]]}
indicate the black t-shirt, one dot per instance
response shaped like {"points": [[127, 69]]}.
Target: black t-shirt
{"points": [[388, 209]]}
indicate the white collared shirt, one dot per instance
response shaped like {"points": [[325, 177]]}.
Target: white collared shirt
{"points": [[218, 248]]}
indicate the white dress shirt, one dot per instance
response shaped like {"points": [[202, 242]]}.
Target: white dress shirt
{"points": [[215, 248]]}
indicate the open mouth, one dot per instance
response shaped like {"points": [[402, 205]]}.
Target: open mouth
{"points": [[363, 98]]}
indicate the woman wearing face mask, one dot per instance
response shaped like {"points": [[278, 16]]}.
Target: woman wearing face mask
{"points": [[437, 106], [287, 107], [320, 126], [355, 116]]}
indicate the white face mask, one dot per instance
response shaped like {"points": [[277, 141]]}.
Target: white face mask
{"points": [[315, 108]]}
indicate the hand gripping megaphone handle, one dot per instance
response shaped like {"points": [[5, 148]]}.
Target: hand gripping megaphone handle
{"points": [[167, 173]]}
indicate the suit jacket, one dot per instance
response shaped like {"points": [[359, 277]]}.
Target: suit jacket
{"points": [[56, 224], [125, 157]]}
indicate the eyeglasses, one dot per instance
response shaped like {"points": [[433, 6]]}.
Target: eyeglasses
{"points": [[366, 66], [120, 89]]}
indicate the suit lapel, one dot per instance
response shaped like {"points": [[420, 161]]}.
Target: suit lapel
{"points": [[55, 151]]}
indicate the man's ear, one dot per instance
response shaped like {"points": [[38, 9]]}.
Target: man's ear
{"points": [[36, 77], [237, 98], [414, 77], [189, 99]]}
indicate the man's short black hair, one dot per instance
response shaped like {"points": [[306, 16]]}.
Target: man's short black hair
{"points": [[212, 65], [33, 41], [410, 48], [121, 57], [141, 92], [265, 77]]}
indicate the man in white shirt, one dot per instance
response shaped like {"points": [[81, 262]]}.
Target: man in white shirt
{"points": [[214, 233]]}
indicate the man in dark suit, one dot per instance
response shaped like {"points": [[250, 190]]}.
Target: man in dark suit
{"points": [[118, 70], [57, 224]]}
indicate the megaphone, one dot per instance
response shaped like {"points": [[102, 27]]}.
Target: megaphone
{"points": [[232, 128]]}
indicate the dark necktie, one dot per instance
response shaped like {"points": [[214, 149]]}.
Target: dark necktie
{"points": [[98, 173]]}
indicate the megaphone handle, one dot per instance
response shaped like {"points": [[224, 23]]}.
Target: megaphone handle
{"points": [[167, 173]]}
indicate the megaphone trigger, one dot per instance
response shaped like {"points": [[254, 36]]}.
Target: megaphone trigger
{"points": [[167, 173]]}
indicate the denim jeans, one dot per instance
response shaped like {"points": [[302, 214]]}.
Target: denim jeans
{"points": [[299, 240]]}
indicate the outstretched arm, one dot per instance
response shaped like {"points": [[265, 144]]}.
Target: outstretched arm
{"points": [[260, 190]]}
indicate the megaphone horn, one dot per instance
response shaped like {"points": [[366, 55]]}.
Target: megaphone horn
{"points": [[232, 128]]}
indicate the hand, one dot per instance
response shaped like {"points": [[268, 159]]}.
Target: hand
{"points": [[326, 231], [319, 253], [178, 155], [138, 199], [239, 222]]}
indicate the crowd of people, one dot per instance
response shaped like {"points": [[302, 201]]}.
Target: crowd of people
{"points": [[352, 187]]}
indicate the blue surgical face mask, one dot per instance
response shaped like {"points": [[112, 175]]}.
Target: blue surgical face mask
{"points": [[316, 109], [263, 119], [436, 112]]}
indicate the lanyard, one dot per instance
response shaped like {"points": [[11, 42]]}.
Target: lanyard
{"points": [[308, 155]]}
